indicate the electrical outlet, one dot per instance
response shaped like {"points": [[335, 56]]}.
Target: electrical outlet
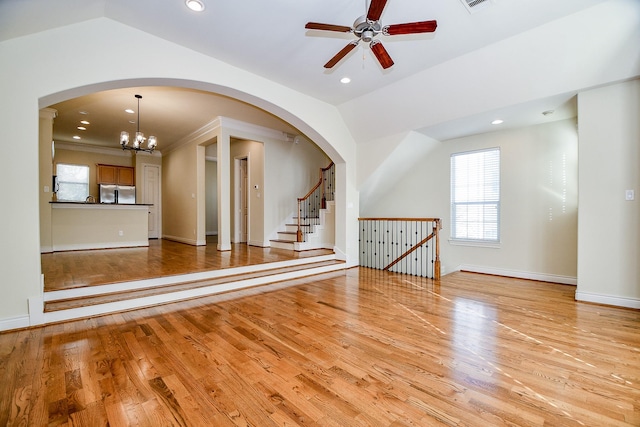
{"points": [[629, 195], [120, 233]]}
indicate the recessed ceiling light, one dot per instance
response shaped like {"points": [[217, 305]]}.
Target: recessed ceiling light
{"points": [[82, 128], [497, 122], [84, 122], [83, 112], [195, 5], [129, 110], [345, 80], [76, 137]]}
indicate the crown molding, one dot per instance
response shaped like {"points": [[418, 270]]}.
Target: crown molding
{"points": [[234, 128]]}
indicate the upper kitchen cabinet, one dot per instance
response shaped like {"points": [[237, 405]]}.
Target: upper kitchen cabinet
{"points": [[111, 174]]}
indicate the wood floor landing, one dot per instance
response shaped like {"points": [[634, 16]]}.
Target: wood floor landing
{"points": [[365, 348], [163, 258], [103, 297], [82, 284]]}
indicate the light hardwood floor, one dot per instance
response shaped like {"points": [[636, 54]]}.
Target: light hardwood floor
{"points": [[74, 269], [356, 348]]}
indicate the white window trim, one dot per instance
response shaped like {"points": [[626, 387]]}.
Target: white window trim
{"points": [[476, 242]]}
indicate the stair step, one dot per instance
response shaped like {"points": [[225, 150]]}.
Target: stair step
{"points": [[114, 297], [283, 244]]}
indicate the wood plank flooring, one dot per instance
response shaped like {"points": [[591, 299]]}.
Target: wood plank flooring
{"points": [[73, 269], [357, 348]]}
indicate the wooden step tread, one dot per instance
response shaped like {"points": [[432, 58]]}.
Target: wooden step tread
{"points": [[65, 304]]}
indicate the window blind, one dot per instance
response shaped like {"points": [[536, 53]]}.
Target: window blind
{"points": [[475, 195], [73, 182]]}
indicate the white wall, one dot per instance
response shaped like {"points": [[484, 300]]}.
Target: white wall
{"points": [[538, 201], [41, 69], [609, 225], [293, 168]]}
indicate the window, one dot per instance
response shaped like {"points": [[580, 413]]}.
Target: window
{"points": [[475, 196], [73, 182]]}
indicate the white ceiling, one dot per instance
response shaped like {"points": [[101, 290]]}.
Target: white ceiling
{"points": [[268, 38]]}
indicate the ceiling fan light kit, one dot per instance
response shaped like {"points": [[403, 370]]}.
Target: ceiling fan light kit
{"points": [[367, 28]]}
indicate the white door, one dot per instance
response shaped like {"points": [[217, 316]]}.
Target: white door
{"points": [[151, 196], [244, 201]]}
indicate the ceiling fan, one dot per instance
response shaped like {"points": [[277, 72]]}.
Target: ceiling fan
{"points": [[367, 27]]}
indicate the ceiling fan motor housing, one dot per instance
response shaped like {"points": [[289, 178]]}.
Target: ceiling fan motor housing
{"points": [[366, 29]]}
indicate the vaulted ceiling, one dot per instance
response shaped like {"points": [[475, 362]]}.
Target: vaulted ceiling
{"points": [[268, 38]]}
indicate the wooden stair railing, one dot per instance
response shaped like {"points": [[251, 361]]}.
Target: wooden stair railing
{"points": [[309, 206], [386, 242]]}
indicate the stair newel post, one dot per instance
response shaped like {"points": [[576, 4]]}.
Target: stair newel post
{"points": [[299, 237], [436, 265]]}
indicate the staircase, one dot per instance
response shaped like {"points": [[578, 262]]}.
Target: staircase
{"points": [[318, 232], [314, 225], [96, 300]]}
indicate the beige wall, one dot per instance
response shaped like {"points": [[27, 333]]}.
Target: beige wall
{"points": [[179, 194], [253, 151], [609, 225], [211, 197], [80, 226], [539, 199]]}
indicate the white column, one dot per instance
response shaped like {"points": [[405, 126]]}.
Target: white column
{"points": [[224, 190]]}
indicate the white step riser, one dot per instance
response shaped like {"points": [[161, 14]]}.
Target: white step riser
{"points": [[96, 310], [287, 236], [282, 245], [170, 280]]}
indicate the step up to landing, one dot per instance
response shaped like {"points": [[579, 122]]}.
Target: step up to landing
{"points": [[102, 299]]}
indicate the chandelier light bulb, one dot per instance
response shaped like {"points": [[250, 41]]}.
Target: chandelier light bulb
{"points": [[124, 138]]}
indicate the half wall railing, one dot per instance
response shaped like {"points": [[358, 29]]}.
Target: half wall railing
{"points": [[401, 245], [309, 206]]}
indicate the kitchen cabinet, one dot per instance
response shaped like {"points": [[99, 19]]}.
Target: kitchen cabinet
{"points": [[112, 174]]}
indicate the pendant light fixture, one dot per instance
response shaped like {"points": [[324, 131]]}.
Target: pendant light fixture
{"points": [[152, 141]]}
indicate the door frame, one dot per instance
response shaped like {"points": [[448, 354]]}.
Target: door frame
{"points": [[237, 214], [146, 190]]}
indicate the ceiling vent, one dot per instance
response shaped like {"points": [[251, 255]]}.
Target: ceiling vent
{"points": [[474, 6]]}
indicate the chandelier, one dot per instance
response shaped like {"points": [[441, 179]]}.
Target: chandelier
{"points": [[152, 141]]}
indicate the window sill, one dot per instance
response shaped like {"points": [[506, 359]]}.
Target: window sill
{"points": [[475, 243]]}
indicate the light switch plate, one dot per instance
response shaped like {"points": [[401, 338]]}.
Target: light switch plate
{"points": [[629, 195]]}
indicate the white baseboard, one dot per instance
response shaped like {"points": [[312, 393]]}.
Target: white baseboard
{"points": [[46, 249], [258, 243], [193, 242], [14, 323], [543, 277], [104, 245], [36, 310], [608, 300]]}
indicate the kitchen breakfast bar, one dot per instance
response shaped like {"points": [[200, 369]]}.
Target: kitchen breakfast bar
{"points": [[80, 226]]}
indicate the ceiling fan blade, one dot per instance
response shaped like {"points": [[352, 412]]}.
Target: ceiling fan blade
{"points": [[375, 9], [327, 27], [345, 50], [411, 28], [381, 53]]}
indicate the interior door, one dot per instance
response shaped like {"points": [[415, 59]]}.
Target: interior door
{"points": [[244, 199], [151, 196]]}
